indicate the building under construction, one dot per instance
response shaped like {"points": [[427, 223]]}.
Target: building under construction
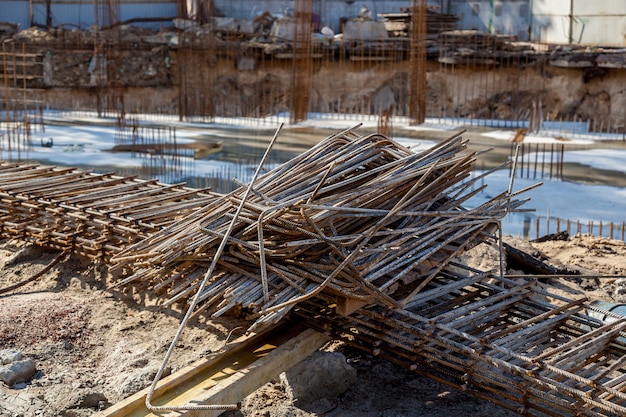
{"points": [[203, 59], [357, 238]]}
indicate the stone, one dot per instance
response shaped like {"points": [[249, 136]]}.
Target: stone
{"points": [[322, 375], [9, 355], [141, 379], [18, 371], [92, 400], [620, 289]]}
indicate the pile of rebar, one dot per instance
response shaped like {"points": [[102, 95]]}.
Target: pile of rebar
{"points": [[360, 217], [94, 215], [508, 341], [357, 218]]}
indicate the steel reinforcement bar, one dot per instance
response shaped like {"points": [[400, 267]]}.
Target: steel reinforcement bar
{"points": [[506, 341], [94, 215]]}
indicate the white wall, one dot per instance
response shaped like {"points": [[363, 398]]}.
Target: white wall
{"points": [[592, 23], [586, 22]]}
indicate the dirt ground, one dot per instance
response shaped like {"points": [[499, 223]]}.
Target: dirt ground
{"points": [[93, 347]]}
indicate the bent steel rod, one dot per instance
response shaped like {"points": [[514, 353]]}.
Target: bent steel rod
{"points": [[193, 304]]}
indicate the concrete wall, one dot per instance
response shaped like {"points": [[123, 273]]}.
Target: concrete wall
{"points": [[580, 22], [499, 17], [81, 14], [554, 21]]}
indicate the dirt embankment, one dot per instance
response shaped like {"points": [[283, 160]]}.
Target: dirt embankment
{"points": [[212, 73]]}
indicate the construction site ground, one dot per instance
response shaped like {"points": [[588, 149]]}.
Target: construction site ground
{"points": [[93, 347]]}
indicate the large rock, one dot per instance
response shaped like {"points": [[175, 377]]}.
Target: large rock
{"points": [[141, 379], [18, 371], [322, 375]]}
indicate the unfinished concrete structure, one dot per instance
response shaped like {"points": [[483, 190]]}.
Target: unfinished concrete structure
{"points": [[202, 62]]}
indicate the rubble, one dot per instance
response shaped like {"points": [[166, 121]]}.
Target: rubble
{"points": [[133, 61], [323, 375], [14, 371]]}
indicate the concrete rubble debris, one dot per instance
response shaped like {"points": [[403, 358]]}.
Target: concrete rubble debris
{"points": [[9, 355], [323, 375], [17, 372]]}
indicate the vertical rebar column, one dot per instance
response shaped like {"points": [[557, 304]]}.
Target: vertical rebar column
{"points": [[198, 74], [113, 15], [210, 76], [182, 80], [417, 76], [6, 83], [302, 60]]}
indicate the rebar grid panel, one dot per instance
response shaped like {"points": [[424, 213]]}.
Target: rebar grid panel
{"points": [[509, 342], [197, 70], [157, 148], [359, 216], [195, 86], [94, 215]]}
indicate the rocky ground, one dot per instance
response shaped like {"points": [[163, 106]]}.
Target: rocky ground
{"points": [[92, 347]]}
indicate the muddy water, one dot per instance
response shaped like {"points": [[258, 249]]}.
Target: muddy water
{"points": [[243, 145], [538, 167], [243, 148], [247, 146]]}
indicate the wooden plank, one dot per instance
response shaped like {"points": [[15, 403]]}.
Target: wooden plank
{"points": [[245, 382], [347, 306], [228, 377]]}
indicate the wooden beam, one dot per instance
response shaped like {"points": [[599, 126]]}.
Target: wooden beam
{"points": [[227, 377], [347, 306]]}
